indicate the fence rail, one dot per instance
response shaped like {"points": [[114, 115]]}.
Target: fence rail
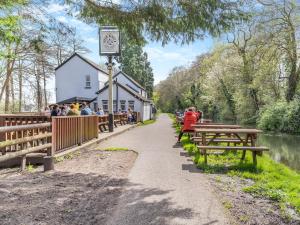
{"points": [[21, 135], [75, 130]]}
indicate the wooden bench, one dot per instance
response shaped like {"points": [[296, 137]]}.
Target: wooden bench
{"points": [[235, 141], [255, 151]]}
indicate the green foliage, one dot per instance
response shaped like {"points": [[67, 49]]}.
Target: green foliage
{"points": [[281, 117], [165, 20], [134, 62]]}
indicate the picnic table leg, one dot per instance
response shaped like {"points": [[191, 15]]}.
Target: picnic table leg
{"points": [[254, 158], [244, 151], [204, 150], [254, 153]]}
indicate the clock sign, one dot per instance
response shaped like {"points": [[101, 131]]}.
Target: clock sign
{"points": [[109, 41]]}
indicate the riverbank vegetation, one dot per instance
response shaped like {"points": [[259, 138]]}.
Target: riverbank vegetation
{"points": [[251, 78], [271, 180]]}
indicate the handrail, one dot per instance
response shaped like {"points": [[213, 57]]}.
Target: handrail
{"points": [[24, 127]]}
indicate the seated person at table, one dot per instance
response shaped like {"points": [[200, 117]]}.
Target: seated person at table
{"points": [[100, 112], [73, 111], [189, 119]]}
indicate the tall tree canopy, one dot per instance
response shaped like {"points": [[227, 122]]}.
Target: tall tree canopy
{"points": [[134, 62], [164, 20]]}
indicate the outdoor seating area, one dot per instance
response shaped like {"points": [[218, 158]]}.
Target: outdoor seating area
{"points": [[24, 136], [217, 138]]}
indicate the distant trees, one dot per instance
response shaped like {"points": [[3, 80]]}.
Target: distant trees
{"points": [[254, 73], [134, 62], [32, 44]]}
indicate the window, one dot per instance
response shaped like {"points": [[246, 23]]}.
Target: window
{"points": [[115, 106], [87, 81], [123, 105], [105, 105], [131, 105]]}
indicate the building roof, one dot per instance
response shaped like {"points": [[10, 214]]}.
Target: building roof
{"points": [[76, 99], [129, 90], [129, 78], [95, 65]]}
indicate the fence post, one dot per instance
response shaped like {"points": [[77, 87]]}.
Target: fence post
{"points": [[49, 159], [2, 135]]}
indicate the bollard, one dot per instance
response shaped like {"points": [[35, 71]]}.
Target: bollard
{"points": [[48, 163]]}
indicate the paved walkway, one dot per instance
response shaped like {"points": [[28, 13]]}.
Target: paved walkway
{"points": [[164, 187]]}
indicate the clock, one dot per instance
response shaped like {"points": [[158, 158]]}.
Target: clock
{"points": [[109, 41]]}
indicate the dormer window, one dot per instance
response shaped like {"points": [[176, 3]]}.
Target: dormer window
{"points": [[87, 81]]}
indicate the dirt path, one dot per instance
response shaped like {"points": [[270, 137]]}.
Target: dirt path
{"points": [[164, 187], [83, 190]]}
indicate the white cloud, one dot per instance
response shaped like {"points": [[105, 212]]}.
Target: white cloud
{"points": [[56, 8], [91, 40], [160, 54], [62, 19]]}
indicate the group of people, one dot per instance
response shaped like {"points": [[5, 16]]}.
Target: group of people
{"points": [[83, 110], [191, 116], [71, 110]]}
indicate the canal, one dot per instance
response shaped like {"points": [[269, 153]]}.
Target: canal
{"points": [[284, 148]]}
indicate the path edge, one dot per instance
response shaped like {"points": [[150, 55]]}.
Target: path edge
{"points": [[92, 142]]}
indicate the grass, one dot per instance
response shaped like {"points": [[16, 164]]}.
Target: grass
{"points": [[71, 155], [147, 122], [116, 149], [272, 180], [30, 168]]}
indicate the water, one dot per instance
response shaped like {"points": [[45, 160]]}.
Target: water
{"points": [[283, 148]]}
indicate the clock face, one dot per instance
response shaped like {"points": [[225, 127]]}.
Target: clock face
{"points": [[109, 42]]}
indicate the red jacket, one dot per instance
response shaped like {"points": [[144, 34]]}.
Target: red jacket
{"points": [[189, 119]]}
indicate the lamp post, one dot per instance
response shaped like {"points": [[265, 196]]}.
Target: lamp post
{"points": [[109, 46]]}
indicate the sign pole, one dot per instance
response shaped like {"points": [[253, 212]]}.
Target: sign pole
{"points": [[110, 96]]}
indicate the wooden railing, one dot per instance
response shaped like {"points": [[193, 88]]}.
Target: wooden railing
{"points": [[24, 139], [14, 120], [75, 130], [21, 135]]}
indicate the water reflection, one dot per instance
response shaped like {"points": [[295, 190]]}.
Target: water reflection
{"points": [[283, 148]]}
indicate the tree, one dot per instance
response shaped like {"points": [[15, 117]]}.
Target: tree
{"points": [[164, 20], [134, 62]]}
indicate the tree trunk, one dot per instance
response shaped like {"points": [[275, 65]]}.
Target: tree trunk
{"points": [[12, 90], [20, 76], [44, 82]]}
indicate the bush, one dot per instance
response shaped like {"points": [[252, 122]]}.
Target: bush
{"points": [[281, 117], [272, 117]]}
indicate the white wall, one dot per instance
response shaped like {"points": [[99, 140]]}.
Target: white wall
{"points": [[124, 80], [123, 95], [146, 111], [70, 80]]}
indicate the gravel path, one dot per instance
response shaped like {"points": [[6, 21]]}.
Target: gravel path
{"points": [[164, 186]]}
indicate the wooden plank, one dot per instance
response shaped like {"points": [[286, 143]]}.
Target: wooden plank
{"points": [[24, 152], [24, 139], [23, 127], [227, 131], [216, 126], [251, 148]]}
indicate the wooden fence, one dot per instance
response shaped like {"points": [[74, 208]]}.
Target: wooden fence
{"points": [[21, 135], [75, 130]]}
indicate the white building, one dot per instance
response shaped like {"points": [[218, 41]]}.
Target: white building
{"points": [[79, 79]]}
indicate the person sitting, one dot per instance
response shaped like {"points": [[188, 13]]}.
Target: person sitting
{"points": [[73, 111], [189, 119], [85, 109], [55, 111], [100, 112], [130, 116]]}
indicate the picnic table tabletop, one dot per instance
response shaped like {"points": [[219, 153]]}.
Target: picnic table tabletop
{"points": [[227, 131], [219, 126]]}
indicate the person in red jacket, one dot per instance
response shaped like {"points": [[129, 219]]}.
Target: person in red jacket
{"points": [[189, 119]]}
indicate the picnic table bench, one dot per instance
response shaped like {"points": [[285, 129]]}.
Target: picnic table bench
{"points": [[212, 135]]}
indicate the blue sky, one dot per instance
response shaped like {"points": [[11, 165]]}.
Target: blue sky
{"points": [[162, 59]]}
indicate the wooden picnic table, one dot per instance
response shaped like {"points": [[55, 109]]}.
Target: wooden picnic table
{"points": [[218, 126], [208, 135]]}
